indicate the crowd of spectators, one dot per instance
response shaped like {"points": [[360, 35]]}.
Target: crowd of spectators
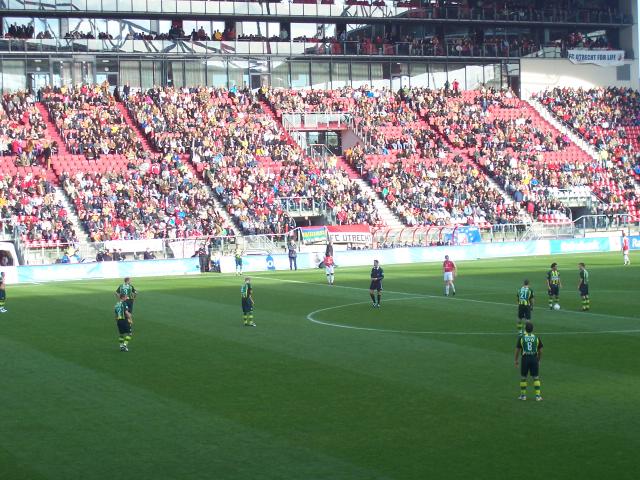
{"points": [[89, 121], [29, 203], [413, 168], [258, 198], [252, 164], [520, 151], [160, 198], [22, 130], [585, 41], [78, 35], [440, 193], [609, 119], [22, 32]]}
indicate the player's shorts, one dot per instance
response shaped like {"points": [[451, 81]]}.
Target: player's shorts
{"points": [[329, 269], [584, 290], [448, 276], [3, 295], [529, 365], [129, 303], [554, 290], [376, 285], [238, 262], [524, 311], [124, 327], [247, 306]]}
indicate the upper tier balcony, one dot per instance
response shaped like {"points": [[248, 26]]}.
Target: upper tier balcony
{"points": [[278, 48], [372, 10]]}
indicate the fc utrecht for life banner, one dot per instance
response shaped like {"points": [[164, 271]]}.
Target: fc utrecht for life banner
{"points": [[360, 234], [604, 58]]}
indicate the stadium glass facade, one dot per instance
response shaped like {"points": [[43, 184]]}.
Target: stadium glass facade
{"points": [[324, 44]]}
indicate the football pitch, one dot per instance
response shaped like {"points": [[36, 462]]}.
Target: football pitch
{"points": [[326, 387]]}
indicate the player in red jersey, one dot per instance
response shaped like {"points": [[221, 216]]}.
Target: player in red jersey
{"points": [[328, 268], [449, 270], [625, 249]]}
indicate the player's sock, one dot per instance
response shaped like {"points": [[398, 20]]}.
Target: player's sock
{"points": [[379, 297], [332, 276], [523, 387], [588, 303], [453, 289], [373, 297], [550, 301], [251, 319], [246, 319], [536, 387], [127, 339], [446, 290], [520, 326], [121, 340]]}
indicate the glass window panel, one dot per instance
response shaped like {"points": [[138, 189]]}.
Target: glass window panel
{"points": [[456, 72], [194, 74], [320, 75], [419, 75], [217, 73], [238, 73], [146, 74], [380, 75], [360, 74], [175, 74], [339, 75], [437, 75], [474, 76], [280, 74], [130, 73], [300, 75], [13, 75]]}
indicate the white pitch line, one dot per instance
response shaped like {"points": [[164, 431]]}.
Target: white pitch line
{"points": [[448, 299], [384, 330]]}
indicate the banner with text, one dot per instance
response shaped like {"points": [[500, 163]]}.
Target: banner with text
{"points": [[314, 234], [360, 234], [603, 58]]}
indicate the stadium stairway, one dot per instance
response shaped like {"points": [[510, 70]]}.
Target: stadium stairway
{"points": [[554, 122], [134, 125], [508, 199], [585, 146], [72, 215], [198, 172], [389, 218], [268, 110], [51, 130], [344, 165], [8, 167]]}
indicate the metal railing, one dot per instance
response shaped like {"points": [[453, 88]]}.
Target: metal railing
{"points": [[408, 9], [316, 120], [605, 223], [303, 206], [275, 47]]}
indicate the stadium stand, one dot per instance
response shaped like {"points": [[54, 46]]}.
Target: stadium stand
{"points": [[90, 123], [246, 156], [28, 205], [22, 130], [609, 119], [422, 177], [159, 198]]}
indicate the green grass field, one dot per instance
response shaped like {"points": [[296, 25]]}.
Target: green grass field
{"points": [[424, 387]]}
